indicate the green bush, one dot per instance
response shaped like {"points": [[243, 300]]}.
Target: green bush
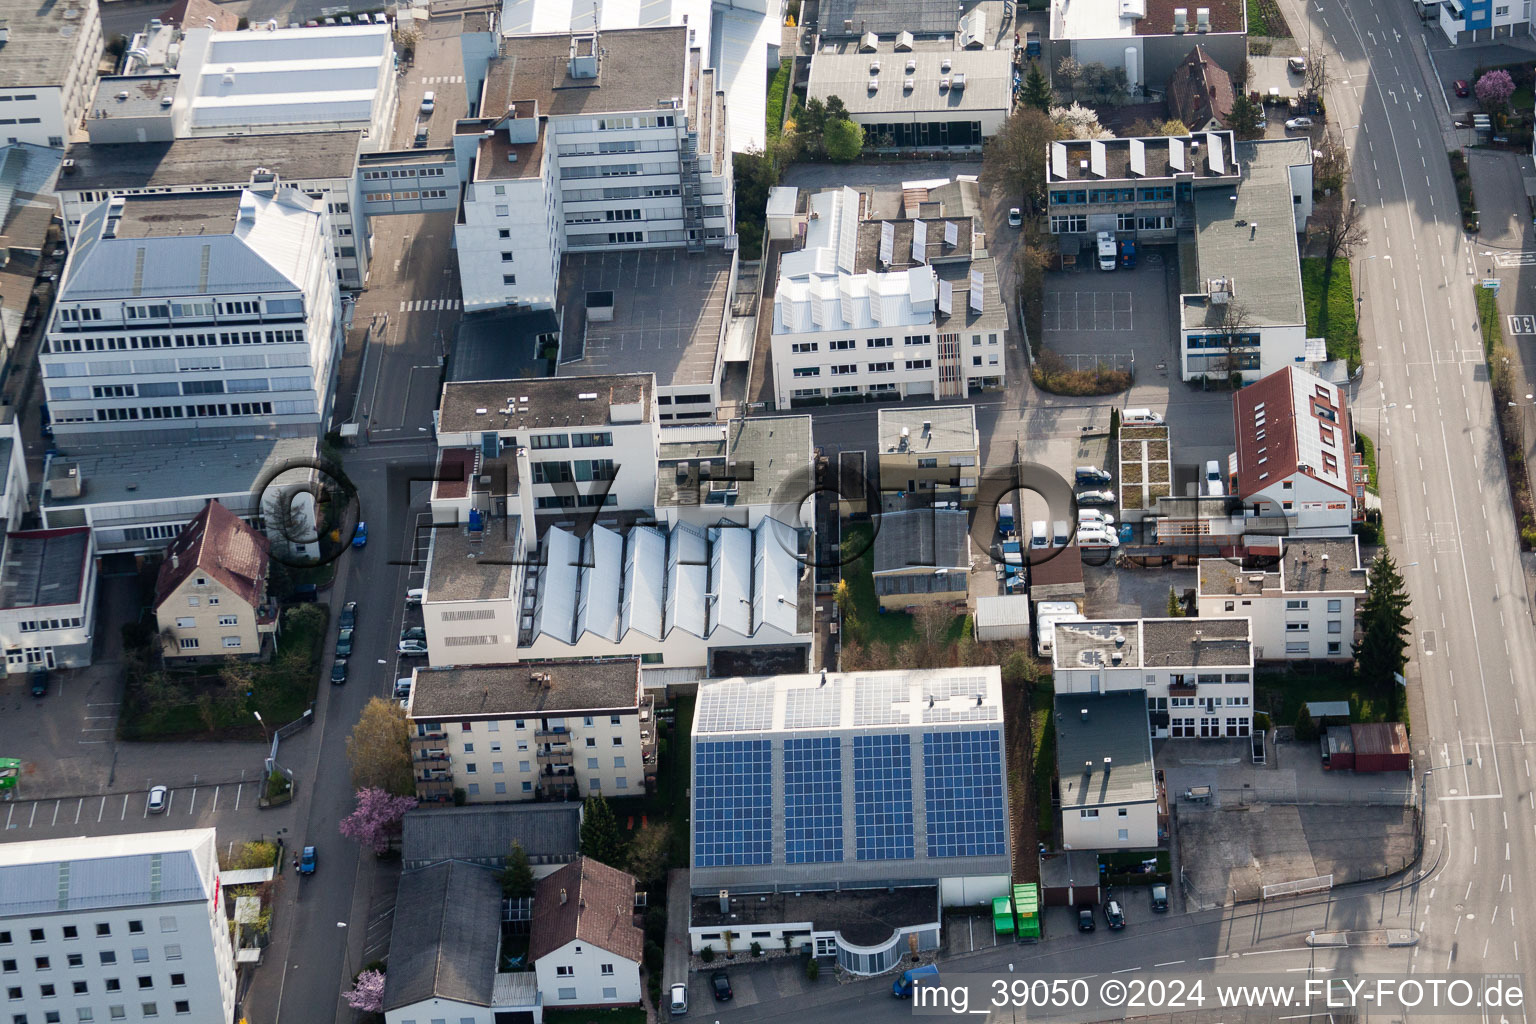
{"points": [[1306, 725], [778, 95], [460, 797], [757, 949], [812, 969], [707, 954], [1261, 722], [1051, 373]]}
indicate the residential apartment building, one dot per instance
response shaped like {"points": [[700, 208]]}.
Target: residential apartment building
{"points": [[1476, 21], [885, 309], [319, 164], [195, 317], [1296, 468], [48, 65], [591, 441], [739, 472], [123, 927], [1110, 795], [1148, 38], [47, 599], [588, 145], [585, 946], [1304, 610], [1195, 674], [211, 591], [536, 731], [934, 450]]}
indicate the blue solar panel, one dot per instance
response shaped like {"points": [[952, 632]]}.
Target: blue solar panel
{"points": [[813, 801], [733, 803], [882, 797], [963, 773]]}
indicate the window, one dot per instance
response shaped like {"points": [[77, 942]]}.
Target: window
{"points": [[474, 789], [188, 643], [1122, 812], [591, 741], [113, 985], [232, 641], [77, 960], [1334, 606], [81, 988], [178, 980], [618, 741], [108, 957], [592, 764], [117, 1013], [807, 371], [1088, 815], [509, 279], [183, 1006], [37, 934], [71, 932], [229, 620], [469, 768], [146, 981], [1297, 647], [565, 972], [1123, 835], [8, 966], [879, 342], [13, 992], [618, 762], [567, 993], [41, 963], [149, 1010], [173, 951], [141, 956], [1333, 647]]}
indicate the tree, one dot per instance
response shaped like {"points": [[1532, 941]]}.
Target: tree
{"points": [[600, 837], [1382, 650], [1330, 166], [1232, 324], [1079, 122], [379, 749], [1318, 78], [516, 875], [1245, 118], [1306, 725], [1494, 89], [843, 140], [367, 992], [1037, 91], [812, 120], [1172, 127], [650, 853], [376, 821], [1067, 74], [1175, 609], [1014, 160], [1341, 226]]}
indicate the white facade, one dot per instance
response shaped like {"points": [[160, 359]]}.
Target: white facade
{"points": [[132, 908], [49, 65], [1311, 619], [843, 329], [1129, 825], [581, 974], [213, 317], [1197, 674], [47, 599]]}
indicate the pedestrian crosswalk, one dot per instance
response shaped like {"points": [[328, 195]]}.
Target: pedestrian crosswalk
{"points": [[427, 305], [444, 80]]}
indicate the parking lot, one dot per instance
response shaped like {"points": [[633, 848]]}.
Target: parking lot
{"points": [[1118, 317], [231, 807]]}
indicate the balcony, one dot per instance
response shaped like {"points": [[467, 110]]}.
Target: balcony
{"points": [[555, 754], [434, 785], [1182, 689], [431, 747], [563, 735]]}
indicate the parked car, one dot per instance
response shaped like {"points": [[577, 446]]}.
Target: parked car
{"points": [[349, 615], [360, 536], [1461, 88], [307, 861], [1015, 217], [428, 103], [722, 986], [1094, 518], [159, 799], [1159, 899], [1114, 916], [403, 687], [1095, 497], [412, 648], [339, 672], [1297, 124], [414, 596], [679, 999], [1092, 475], [421, 138], [344, 644], [39, 679], [1085, 918], [414, 633], [1298, 65]]}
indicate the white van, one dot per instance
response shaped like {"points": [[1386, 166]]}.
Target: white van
{"points": [[1061, 534], [1141, 418], [1089, 538], [1092, 517], [1047, 614], [403, 687], [415, 596], [1038, 535], [1214, 486]]}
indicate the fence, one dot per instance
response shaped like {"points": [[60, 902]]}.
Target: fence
{"points": [[1361, 798], [1300, 887]]}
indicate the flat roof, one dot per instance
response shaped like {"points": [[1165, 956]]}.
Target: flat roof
{"points": [[133, 870], [500, 344], [1154, 643], [1108, 19], [549, 833], [668, 313], [44, 568], [134, 96], [639, 69], [867, 256], [987, 85], [542, 403], [499, 159], [43, 40], [930, 428], [1115, 729], [1161, 157], [139, 473], [1317, 564], [220, 160], [479, 568], [777, 448], [1260, 257], [864, 917], [505, 690], [209, 213], [903, 698], [888, 17]]}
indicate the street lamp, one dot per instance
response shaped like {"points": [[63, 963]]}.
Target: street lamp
{"points": [[265, 735], [1424, 783]]}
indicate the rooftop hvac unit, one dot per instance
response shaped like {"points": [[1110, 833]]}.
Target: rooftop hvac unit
{"points": [[959, 81], [874, 85], [944, 65], [906, 83], [943, 84], [874, 67], [911, 66]]}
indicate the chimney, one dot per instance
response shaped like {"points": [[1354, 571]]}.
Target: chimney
{"points": [[1083, 715], [1107, 762], [563, 897], [823, 677], [175, 561], [725, 902]]}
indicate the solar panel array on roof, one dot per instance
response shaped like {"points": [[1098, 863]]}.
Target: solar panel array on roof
{"points": [[813, 800], [920, 241], [888, 17], [818, 707], [733, 803], [963, 789], [875, 699], [735, 706]]}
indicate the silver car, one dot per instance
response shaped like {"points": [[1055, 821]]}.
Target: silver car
{"points": [[159, 799]]}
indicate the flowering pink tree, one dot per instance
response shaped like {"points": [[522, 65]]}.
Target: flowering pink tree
{"points": [[376, 821], [1494, 90], [367, 993]]}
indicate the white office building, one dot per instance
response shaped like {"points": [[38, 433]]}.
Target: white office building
{"points": [[209, 317], [116, 928], [48, 65], [885, 308], [1196, 674], [589, 143], [1303, 610]]}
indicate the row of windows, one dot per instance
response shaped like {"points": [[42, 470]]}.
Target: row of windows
{"points": [[401, 172], [590, 195], [610, 124], [400, 197], [37, 625], [558, 501], [618, 146], [195, 310], [500, 767], [555, 725], [582, 470], [154, 341], [1080, 196], [70, 932], [176, 412], [590, 439]]}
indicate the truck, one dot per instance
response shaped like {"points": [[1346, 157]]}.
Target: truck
{"points": [[1006, 524], [1127, 254], [1032, 45], [1108, 258]]}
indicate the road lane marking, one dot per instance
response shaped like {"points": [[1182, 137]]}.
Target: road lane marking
{"points": [[193, 806], [78, 808], [216, 799]]}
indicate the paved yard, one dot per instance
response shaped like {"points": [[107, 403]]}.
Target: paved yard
{"points": [[1117, 317]]}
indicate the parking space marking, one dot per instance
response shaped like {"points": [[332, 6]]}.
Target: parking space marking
{"points": [[1087, 311]]}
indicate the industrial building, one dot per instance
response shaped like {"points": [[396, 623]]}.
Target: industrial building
{"points": [[49, 58], [1148, 38]]}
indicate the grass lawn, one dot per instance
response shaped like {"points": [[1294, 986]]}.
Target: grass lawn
{"points": [[1369, 452], [1488, 316], [1282, 694], [618, 1015], [892, 628], [1041, 724], [1332, 316], [670, 801], [778, 93], [1258, 24], [202, 703]]}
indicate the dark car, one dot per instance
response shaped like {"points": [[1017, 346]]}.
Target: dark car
{"points": [[349, 615], [360, 536], [307, 861], [414, 633], [722, 986], [1085, 918], [1114, 916], [1160, 899], [39, 680], [1461, 88], [339, 672], [344, 644]]}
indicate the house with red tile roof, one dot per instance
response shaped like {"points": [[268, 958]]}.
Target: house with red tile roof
{"points": [[1200, 92], [211, 594], [585, 946]]}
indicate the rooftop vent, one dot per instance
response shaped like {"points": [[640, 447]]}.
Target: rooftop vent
{"points": [[1082, 715], [511, 158], [1202, 19], [908, 84], [1180, 20]]}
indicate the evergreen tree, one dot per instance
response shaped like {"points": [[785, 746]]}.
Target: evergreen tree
{"points": [[600, 837], [1245, 117], [1037, 91], [1382, 651], [516, 874]]}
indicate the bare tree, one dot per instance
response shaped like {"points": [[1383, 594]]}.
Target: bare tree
{"points": [[1068, 72], [1341, 227], [1014, 160], [1232, 321], [1318, 79]]}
